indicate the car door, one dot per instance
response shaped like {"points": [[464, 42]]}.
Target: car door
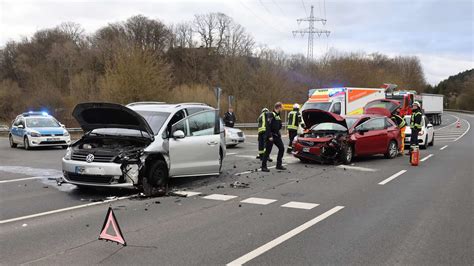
{"points": [[197, 153], [371, 137], [20, 129]]}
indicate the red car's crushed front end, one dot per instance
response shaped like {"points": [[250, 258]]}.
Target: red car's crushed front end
{"points": [[320, 149]]}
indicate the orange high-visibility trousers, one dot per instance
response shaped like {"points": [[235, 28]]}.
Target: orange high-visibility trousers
{"points": [[402, 133]]}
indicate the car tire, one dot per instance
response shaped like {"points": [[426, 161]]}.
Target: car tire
{"points": [[26, 144], [231, 146], [432, 141], [155, 183], [12, 143], [302, 160], [392, 150], [347, 154], [425, 145]]}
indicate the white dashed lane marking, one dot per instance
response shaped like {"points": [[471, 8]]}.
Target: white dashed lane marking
{"points": [[392, 177], [219, 197], [426, 158], [358, 168], [300, 205], [444, 147], [258, 201], [19, 179]]}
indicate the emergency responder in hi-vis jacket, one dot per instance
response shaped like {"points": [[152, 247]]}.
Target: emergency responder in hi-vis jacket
{"points": [[262, 128], [273, 136], [294, 120], [400, 121], [415, 124]]}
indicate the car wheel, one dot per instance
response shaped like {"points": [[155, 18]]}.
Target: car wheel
{"points": [[156, 182], [231, 145], [432, 141], [392, 150], [425, 145], [12, 143], [26, 143], [347, 154]]}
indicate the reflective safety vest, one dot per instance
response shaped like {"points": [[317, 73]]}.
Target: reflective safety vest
{"points": [[414, 125], [276, 116], [262, 123], [292, 120], [399, 121]]}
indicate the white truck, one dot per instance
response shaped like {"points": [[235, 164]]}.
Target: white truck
{"points": [[342, 101], [432, 105]]}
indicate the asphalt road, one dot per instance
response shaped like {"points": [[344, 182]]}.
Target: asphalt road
{"points": [[376, 211]]}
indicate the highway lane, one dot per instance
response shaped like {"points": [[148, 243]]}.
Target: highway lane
{"points": [[197, 230]]}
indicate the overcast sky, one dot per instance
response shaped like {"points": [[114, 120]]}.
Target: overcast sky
{"points": [[440, 33]]}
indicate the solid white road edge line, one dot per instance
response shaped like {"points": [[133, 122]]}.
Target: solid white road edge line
{"points": [[19, 179], [468, 127], [401, 172], [63, 210], [364, 169], [444, 147], [277, 241], [426, 158]]}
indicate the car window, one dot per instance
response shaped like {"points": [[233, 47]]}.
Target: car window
{"points": [[199, 124], [154, 119], [16, 122], [388, 123], [350, 121], [21, 122], [336, 108], [316, 105], [41, 122], [193, 110], [373, 124], [180, 115]]}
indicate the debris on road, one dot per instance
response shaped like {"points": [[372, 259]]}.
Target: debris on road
{"points": [[238, 184]]}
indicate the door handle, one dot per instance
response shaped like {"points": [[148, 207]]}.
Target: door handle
{"points": [[212, 143]]}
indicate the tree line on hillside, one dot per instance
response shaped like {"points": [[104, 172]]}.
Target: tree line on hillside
{"points": [[458, 90], [143, 59]]}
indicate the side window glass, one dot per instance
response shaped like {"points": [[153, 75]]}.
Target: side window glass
{"points": [[336, 108], [194, 110], [373, 124], [387, 123], [199, 124], [176, 117], [15, 123]]}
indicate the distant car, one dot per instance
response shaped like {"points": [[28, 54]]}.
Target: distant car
{"points": [[4, 128], [233, 136], [425, 136], [35, 129], [331, 137]]}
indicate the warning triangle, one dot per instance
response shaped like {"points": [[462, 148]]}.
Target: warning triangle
{"points": [[111, 220]]}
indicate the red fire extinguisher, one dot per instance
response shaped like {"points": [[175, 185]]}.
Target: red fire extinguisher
{"points": [[415, 155]]}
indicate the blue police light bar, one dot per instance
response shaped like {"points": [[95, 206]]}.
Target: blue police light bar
{"points": [[31, 113]]}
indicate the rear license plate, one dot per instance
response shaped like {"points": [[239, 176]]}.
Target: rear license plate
{"points": [[52, 139], [306, 149]]}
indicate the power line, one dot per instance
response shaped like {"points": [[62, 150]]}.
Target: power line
{"points": [[311, 31], [304, 6], [259, 18], [279, 7]]}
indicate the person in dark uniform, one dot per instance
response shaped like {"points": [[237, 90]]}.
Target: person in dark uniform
{"points": [[273, 136], [262, 127], [294, 120], [415, 124], [229, 118]]}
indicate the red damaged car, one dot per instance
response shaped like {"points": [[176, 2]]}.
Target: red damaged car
{"points": [[333, 138]]}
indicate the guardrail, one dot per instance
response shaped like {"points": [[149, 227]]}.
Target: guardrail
{"points": [[459, 111]]}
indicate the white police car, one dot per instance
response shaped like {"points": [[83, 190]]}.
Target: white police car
{"points": [[35, 129]]}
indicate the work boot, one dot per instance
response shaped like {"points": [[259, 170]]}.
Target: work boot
{"points": [[265, 169], [288, 150], [270, 159], [258, 157], [281, 167]]}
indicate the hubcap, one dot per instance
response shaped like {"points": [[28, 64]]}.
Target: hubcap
{"points": [[393, 149], [349, 154]]}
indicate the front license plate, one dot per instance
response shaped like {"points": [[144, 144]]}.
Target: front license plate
{"points": [[306, 149], [82, 170], [52, 139]]}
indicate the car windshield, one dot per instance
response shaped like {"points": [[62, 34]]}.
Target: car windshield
{"points": [[317, 105], [382, 104], [154, 119], [41, 122], [350, 121], [328, 127]]}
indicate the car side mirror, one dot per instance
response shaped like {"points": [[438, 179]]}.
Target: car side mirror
{"points": [[178, 134], [62, 125], [21, 126]]}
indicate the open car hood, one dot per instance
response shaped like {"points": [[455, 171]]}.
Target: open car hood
{"points": [[312, 117], [378, 111], [109, 115]]}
